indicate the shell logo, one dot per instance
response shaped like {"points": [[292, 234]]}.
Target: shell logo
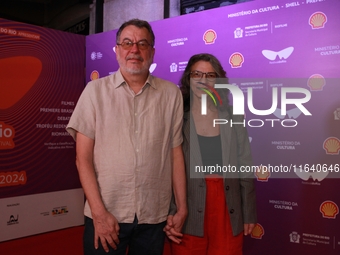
{"points": [[262, 174], [332, 146], [317, 20], [94, 75], [209, 36], [316, 82], [258, 232], [236, 60], [329, 209]]}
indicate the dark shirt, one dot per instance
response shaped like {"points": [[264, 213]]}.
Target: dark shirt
{"points": [[211, 152]]}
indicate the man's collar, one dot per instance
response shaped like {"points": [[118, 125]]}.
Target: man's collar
{"points": [[120, 80]]}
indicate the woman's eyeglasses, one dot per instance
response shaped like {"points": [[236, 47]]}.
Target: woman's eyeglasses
{"points": [[197, 75]]}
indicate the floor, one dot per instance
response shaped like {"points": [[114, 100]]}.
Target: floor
{"points": [[66, 242]]}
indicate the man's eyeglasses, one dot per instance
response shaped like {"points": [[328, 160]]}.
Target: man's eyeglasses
{"points": [[127, 45], [197, 75]]}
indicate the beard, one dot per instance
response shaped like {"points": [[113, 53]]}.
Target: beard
{"points": [[135, 69]]}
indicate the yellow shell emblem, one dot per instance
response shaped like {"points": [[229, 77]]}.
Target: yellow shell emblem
{"points": [[209, 36], [257, 232], [262, 174], [329, 209], [236, 60], [94, 75], [316, 82], [318, 20], [332, 145]]}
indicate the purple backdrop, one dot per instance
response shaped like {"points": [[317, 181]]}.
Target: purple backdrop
{"points": [[265, 45]]}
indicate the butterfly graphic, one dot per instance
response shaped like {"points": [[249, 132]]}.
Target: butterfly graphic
{"points": [[292, 113], [283, 54], [305, 175]]}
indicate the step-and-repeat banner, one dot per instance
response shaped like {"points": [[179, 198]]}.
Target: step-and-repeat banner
{"points": [[41, 78], [285, 58]]}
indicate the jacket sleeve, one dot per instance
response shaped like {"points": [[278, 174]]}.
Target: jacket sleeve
{"points": [[247, 181]]}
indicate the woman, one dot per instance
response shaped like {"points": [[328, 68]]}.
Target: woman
{"points": [[221, 204]]}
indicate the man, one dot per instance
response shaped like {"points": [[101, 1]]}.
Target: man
{"points": [[127, 128]]}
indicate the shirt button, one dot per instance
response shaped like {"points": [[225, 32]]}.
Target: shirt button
{"points": [[135, 114], [136, 131], [227, 188], [232, 211], [199, 210], [137, 150]]}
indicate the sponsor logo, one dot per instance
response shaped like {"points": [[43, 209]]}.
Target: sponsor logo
{"points": [[209, 36], [94, 75], [236, 60], [282, 54], [294, 237], [328, 50], [252, 30], [96, 55], [262, 174], [177, 41], [316, 82], [173, 68], [292, 113], [329, 209], [317, 20], [257, 232], [13, 220], [304, 174], [332, 146], [59, 210], [283, 205], [238, 33]]}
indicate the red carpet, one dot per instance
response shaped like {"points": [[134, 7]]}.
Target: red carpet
{"points": [[66, 242]]}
